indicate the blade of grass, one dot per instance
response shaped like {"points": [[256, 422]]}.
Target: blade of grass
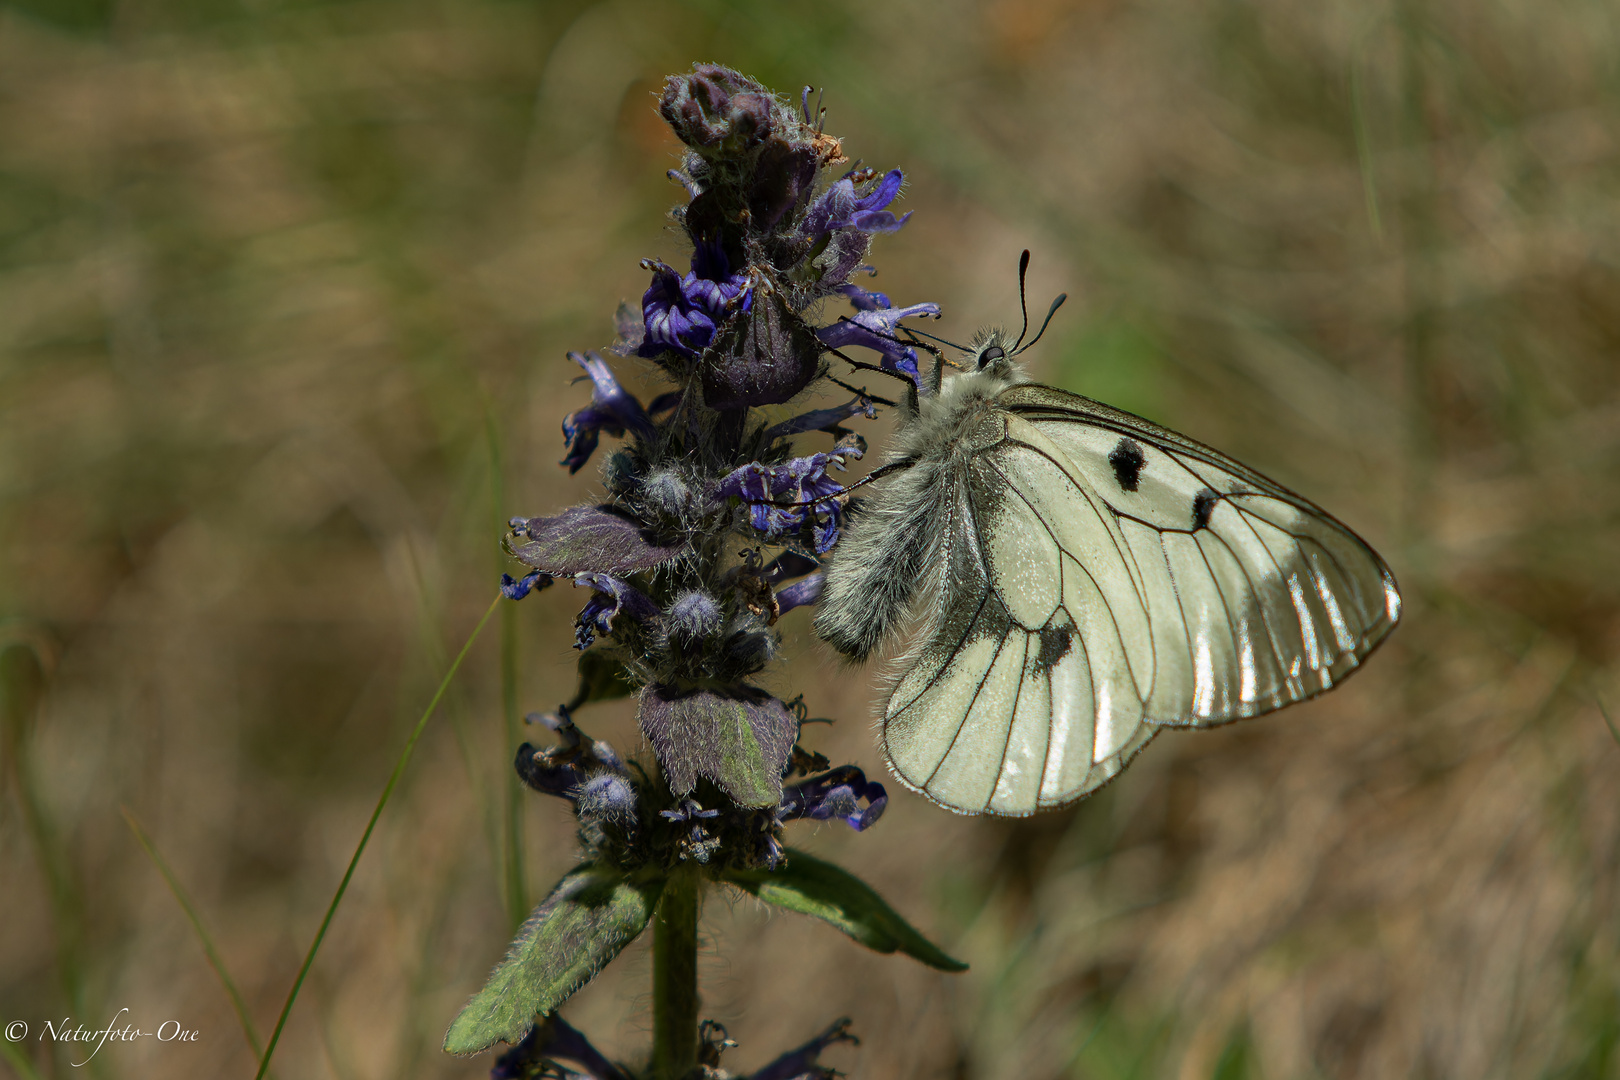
{"points": [[14, 1057], [1364, 149], [486, 797], [517, 901], [1609, 720], [22, 683], [365, 837], [209, 951]]}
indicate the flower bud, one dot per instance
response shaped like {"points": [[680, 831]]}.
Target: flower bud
{"points": [[694, 616], [666, 494], [715, 110], [607, 799]]}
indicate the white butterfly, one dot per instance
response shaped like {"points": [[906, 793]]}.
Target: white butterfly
{"points": [[1081, 578]]}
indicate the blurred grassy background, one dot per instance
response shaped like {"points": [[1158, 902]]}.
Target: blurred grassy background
{"points": [[284, 293]]}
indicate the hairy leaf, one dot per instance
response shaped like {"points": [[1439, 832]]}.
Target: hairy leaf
{"points": [[592, 914], [741, 740], [588, 538], [812, 887]]}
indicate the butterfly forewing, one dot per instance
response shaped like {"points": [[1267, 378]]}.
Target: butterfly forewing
{"points": [[1305, 598], [1105, 577]]}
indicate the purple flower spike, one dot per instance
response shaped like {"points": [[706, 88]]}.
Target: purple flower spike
{"points": [[873, 327], [517, 588], [612, 409], [835, 794], [683, 314], [784, 498], [612, 598]]}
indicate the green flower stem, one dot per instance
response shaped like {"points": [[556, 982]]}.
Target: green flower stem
{"points": [[675, 992]]}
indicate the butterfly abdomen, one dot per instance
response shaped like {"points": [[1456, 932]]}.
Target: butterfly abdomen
{"points": [[892, 544], [887, 551]]}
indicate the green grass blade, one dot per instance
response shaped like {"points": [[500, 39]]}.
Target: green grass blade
{"points": [[1364, 149], [516, 893], [1609, 720], [365, 837], [214, 959], [14, 1057]]}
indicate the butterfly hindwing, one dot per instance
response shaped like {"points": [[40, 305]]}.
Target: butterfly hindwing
{"points": [[1103, 577]]}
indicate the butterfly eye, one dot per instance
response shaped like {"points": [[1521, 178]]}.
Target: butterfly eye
{"points": [[993, 353]]}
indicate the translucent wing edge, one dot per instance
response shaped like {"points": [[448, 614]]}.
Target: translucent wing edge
{"points": [[1037, 402]]}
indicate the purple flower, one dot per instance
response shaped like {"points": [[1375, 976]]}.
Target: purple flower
{"points": [[822, 419], [578, 770], [577, 774], [547, 772], [837, 228], [612, 409], [875, 326], [698, 843], [552, 1037], [841, 206], [517, 588], [864, 300], [802, 1063], [607, 799], [783, 499], [835, 794], [612, 598], [805, 591], [684, 314]]}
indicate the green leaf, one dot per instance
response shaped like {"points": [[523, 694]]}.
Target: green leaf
{"points": [[740, 737], [812, 887], [592, 914]]}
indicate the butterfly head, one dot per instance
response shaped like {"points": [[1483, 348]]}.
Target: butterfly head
{"points": [[992, 351]]}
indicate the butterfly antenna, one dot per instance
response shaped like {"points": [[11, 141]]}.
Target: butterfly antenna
{"points": [[937, 355], [869, 367], [931, 337], [934, 349], [1023, 308], [1053, 311]]}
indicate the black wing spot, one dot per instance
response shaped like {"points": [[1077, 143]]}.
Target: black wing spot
{"points": [[1056, 641], [1204, 506], [1127, 461]]}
